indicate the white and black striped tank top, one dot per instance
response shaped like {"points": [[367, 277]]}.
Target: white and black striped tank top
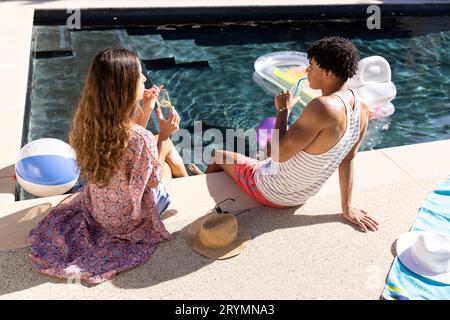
{"points": [[292, 182]]}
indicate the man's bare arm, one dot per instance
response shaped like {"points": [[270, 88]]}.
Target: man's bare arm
{"points": [[354, 215], [346, 173], [302, 133], [281, 126]]}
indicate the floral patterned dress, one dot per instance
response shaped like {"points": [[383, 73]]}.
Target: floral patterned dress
{"points": [[99, 232]]}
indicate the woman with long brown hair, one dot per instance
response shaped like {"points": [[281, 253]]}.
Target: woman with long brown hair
{"points": [[113, 222]]}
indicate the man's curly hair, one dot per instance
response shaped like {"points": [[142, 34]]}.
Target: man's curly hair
{"points": [[335, 54]]}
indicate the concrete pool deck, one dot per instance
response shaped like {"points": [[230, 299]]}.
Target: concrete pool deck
{"points": [[298, 253]]}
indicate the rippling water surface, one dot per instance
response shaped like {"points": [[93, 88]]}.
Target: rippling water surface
{"points": [[225, 95], [208, 72]]}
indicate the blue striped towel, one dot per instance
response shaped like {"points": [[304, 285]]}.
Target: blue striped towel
{"points": [[403, 284]]}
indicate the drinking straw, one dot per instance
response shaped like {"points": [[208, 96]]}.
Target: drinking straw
{"points": [[298, 84]]}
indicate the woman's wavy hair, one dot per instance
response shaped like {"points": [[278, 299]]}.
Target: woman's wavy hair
{"points": [[101, 125]]}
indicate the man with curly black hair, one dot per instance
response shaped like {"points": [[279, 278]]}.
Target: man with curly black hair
{"points": [[326, 136], [337, 55]]}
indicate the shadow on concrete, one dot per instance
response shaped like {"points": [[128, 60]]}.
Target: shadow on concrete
{"points": [[221, 186], [16, 272], [15, 227], [171, 259], [394, 248], [7, 171], [175, 259]]}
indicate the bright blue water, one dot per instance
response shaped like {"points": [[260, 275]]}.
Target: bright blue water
{"points": [[212, 78], [225, 95]]}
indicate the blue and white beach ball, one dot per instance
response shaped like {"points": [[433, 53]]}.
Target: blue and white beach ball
{"points": [[46, 167]]}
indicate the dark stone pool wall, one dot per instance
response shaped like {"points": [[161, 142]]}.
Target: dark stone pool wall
{"points": [[152, 16]]}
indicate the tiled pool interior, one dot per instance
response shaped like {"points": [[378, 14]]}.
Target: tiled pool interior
{"points": [[208, 71]]}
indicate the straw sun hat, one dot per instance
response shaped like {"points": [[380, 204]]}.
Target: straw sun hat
{"points": [[426, 253], [218, 235]]}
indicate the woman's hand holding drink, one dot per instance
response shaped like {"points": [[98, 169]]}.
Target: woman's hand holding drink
{"points": [[170, 123], [150, 97], [163, 99]]}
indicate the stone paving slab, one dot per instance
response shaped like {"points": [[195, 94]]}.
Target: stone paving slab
{"points": [[422, 160]]}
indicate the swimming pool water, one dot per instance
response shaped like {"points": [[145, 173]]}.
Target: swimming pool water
{"points": [[226, 95], [208, 70]]}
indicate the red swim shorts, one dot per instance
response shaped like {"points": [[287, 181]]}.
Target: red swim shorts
{"points": [[244, 176]]}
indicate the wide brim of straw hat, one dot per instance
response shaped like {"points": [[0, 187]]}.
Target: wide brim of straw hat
{"points": [[404, 245], [233, 249]]}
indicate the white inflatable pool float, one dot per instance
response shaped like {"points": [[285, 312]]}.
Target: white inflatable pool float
{"points": [[287, 70]]}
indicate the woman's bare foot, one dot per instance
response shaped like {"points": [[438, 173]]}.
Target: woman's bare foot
{"points": [[192, 169]]}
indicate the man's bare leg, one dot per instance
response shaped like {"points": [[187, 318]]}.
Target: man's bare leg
{"points": [[225, 161]]}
